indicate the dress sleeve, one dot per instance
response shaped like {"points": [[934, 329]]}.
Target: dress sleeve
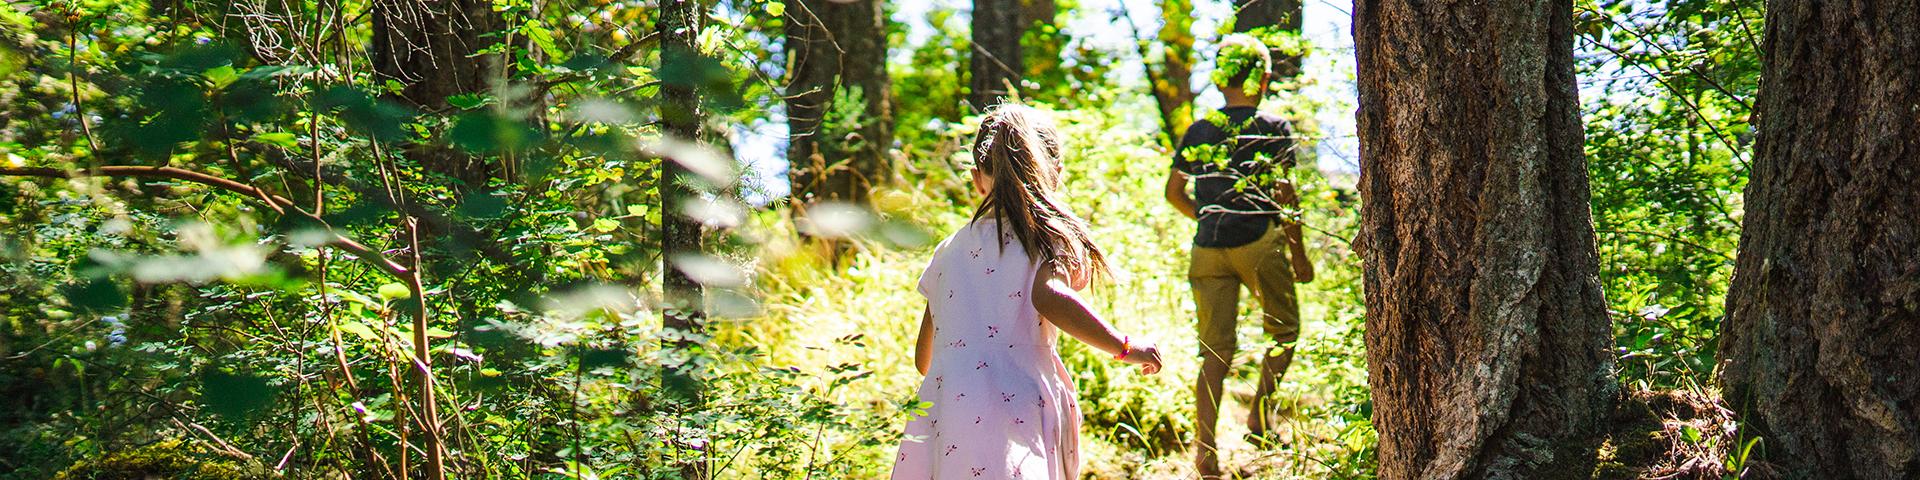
{"points": [[927, 275], [926, 278]]}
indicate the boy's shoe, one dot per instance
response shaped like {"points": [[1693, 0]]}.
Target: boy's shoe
{"points": [[1267, 436], [1208, 466], [1264, 441]]}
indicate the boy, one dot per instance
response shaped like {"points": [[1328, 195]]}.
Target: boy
{"points": [[1238, 200]]}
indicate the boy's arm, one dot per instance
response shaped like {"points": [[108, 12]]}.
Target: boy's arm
{"points": [[1177, 194], [1296, 237], [923, 348]]}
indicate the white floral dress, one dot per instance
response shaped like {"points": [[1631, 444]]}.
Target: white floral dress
{"points": [[1003, 406]]}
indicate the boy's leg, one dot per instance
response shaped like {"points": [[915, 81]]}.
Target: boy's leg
{"points": [[1268, 273], [1216, 299]]}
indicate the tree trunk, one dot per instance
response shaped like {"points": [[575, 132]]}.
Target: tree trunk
{"points": [[431, 47], [1824, 311], [1488, 342], [1283, 15], [681, 117], [837, 48], [994, 64]]}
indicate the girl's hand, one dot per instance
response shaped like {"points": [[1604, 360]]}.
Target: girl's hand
{"points": [[1146, 356]]}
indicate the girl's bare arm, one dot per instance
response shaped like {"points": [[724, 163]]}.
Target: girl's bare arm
{"points": [[1057, 301], [923, 348]]}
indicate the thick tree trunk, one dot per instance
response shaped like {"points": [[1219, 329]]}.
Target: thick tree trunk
{"points": [[1822, 336], [1488, 342], [431, 47], [837, 47], [995, 62], [1284, 15]]}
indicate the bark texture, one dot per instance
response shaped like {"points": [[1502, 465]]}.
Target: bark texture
{"points": [[995, 62], [681, 117], [1284, 15], [1822, 337], [836, 47], [431, 47], [1488, 342]]}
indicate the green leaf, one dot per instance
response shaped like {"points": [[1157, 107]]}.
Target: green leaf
{"points": [[544, 39], [483, 132], [605, 225], [393, 291], [279, 139], [591, 358], [95, 296], [776, 8], [234, 395], [484, 205], [359, 330], [221, 76], [467, 101]]}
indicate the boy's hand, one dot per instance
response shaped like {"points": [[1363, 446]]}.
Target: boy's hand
{"points": [[1146, 356]]}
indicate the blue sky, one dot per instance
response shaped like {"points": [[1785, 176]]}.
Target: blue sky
{"points": [[1327, 24]]}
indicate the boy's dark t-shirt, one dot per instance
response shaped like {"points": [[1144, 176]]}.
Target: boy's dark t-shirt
{"points": [[1258, 141]]}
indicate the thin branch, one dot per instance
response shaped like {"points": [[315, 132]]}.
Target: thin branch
{"points": [[371, 256], [73, 81], [1669, 238], [1663, 49], [1731, 146]]}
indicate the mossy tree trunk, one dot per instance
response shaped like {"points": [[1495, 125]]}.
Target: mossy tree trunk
{"points": [[1822, 336], [1488, 342]]}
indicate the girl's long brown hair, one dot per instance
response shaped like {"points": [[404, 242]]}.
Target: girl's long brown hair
{"points": [[1020, 151]]}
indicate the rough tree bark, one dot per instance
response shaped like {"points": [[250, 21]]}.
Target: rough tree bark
{"points": [[995, 62], [681, 117], [837, 47], [431, 47], [1819, 348], [1487, 335], [1285, 15]]}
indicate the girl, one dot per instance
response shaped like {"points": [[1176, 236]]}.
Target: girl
{"points": [[998, 292]]}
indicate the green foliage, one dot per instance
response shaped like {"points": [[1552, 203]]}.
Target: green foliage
{"points": [[1667, 136]]}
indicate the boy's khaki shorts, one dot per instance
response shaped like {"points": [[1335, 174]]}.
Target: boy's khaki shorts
{"points": [[1216, 275]]}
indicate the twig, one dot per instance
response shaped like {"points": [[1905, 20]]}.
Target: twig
{"points": [[338, 240], [73, 80], [1731, 146]]}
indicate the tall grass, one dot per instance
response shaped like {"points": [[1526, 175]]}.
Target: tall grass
{"points": [[862, 317]]}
